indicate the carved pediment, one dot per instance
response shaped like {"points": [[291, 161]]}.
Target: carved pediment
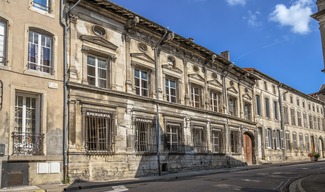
{"points": [[215, 82], [172, 68], [232, 89], [196, 76], [247, 96], [99, 41], [143, 56]]}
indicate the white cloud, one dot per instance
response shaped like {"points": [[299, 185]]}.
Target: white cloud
{"points": [[236, 2], [297, 16], [252, 18]]}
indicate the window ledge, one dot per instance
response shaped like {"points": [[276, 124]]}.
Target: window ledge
{"points": [[38, 74], [45, 13]]}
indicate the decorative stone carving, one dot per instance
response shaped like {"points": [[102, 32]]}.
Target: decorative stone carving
{"points": [[142, 47]]}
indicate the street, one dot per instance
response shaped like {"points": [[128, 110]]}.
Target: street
{"points": [[255, 179]]}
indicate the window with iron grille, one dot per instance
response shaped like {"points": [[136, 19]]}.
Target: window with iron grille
{"points": [[198, 136], [247, 111], [268, 138], [145, 135], [234, 141], [216, 141], [294, 140], [173, 137], [232, 102], [293, 116], [301, 141], [43, 5], [276, 139], [99, 132], [171, 90], [3, 41], [307, 142], [40, 52], [141, 81], [215, 101], [97, 71], [287, 137]]}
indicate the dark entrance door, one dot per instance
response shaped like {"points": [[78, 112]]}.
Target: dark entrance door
{"points": [[248, 149], [14, 174]]}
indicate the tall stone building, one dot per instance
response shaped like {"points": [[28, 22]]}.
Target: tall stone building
{"points": [[143, 100], [31, 92], [320, 17]]}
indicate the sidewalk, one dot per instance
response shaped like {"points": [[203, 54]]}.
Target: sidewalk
{"points": [[170, 176]]}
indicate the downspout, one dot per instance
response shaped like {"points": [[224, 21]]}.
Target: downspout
{"points": [[156, 49], [65, 24], [282, 122]]}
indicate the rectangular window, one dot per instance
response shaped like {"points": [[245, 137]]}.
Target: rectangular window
{"points": [[315, 123], [294, 140], [27, 139], [215, 101], [141, 81], [265, 86], [267, 107], [307, 142], [311, 122], [145, 135], [301, 142], [234, 141], [258, 105], [284, 97], [171, 90], [173, 137], [275, 107], [40, 52], [232, 102], [287, 135], [3, 41], [216, 141], [286, 115], [303, 104], [299, 118], [43, 5], [247, 111], [196, 96], [97, 71], [99, 132], [274, 90], [293, 117], [319, 124], [305, 120], [198, 139], [298, 102], [268, 138], [291, 99], [277, 139]]}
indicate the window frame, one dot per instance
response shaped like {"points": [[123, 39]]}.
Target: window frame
{"points": [[215, 101], [258, 105], [267, 107], [168, 94], [195, 103], [217, 135], [140, 87], [97, 68], [232, 108], [268, 138], [38, 64], [41, 7], [234, 141], [199, 138], [4, 59], [145, 136], [170, 140], [247, 110], [275, 109]]}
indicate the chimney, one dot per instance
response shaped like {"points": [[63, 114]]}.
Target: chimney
{"points": [[226, 55]]}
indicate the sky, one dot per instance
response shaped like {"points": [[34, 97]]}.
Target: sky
{"points": [[276, 37]]}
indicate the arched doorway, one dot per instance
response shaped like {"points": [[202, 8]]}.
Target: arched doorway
{"points": [[248, 148]]}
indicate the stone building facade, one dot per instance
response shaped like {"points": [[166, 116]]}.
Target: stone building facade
{"points": [[31, 92], [143, 100], [290, 124]]}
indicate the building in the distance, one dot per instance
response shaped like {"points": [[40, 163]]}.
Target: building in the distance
{"points": [[31, 92]]}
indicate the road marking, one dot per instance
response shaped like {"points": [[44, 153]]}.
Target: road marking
{"points": [[119, 188]]}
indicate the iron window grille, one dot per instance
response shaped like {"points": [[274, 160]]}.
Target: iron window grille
{"points": [[234, 141], [216, 141], [145, 136], [99, 132], [27, 143], [215, 101], [198, 136], [173, 138]]}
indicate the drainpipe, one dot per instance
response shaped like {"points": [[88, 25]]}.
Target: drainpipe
{"points": [[156, 50], [282, 122], [65, 25]]}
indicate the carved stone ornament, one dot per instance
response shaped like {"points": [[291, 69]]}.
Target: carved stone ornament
{"points": [[214, 75], [142, 47], [246, 90], [231, 83]]}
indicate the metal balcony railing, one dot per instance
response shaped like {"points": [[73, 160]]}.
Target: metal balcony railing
{"points": [[27, 143]]}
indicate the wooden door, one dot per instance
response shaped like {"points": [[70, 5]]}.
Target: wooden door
{"points": [[248, 149]]}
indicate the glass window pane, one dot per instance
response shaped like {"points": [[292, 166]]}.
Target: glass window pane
{"points": [[91, 70], [91, 60]]}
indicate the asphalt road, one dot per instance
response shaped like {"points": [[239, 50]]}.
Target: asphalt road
{"points": [[270, 178]]}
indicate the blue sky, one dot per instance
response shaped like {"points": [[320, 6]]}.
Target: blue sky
{"points": [[277, 37]]}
